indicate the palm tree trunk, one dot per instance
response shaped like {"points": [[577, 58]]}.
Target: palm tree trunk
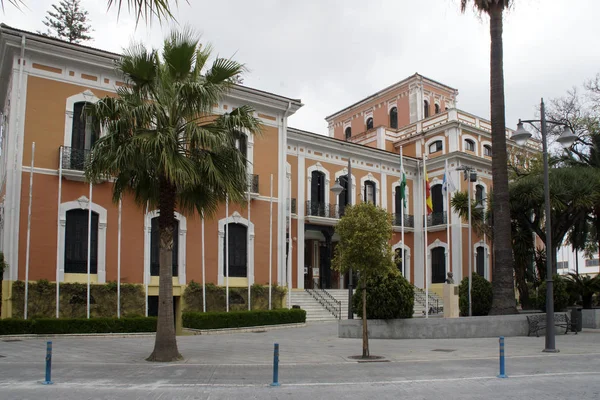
{"points": [[503, 282], [165, 345], [365, 352]]}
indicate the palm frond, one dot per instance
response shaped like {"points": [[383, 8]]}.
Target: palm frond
{"points": [[144, 9]]}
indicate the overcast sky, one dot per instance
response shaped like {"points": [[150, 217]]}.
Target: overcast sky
{"points": [[331, 53]]}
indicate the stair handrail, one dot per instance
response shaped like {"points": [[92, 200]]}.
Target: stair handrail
{"points": [[336, 301], [434, 300], [317, 295]]}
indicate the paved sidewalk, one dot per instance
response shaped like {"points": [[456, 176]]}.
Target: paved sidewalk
{"points": [[311, 357]]}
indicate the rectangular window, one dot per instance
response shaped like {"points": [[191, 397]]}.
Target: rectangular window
{"points": [[562, 265], [592, 263]]}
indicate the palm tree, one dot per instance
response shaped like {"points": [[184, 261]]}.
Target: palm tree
{"points": [[145, 9], [503, 282], [164, 145]]}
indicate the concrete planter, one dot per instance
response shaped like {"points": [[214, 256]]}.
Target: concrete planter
{"points": [[591, 318], [439, 328]]}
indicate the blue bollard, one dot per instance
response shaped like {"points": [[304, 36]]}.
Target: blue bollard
{"points": [[48, 380], [275, 365], [502, 369]]}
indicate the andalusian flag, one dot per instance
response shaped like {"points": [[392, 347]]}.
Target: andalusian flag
{"points": [[428, 200]]}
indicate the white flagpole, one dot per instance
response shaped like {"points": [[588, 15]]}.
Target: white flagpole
{"points": [[289, 260], [426, 252], [147, 273], [60, 161], [203, 269], [119, 262], [248, 249], [227, 253], [270, 239], [448, 214], [89, 251], [28, 232], [402, 215]]}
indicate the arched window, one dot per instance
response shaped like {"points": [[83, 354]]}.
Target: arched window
{"points": [[394, 118], [487, 150], [437, 198], [437, 108], [84, 133], [479, 193], [348, 133], [369, 123], [317, 194], [76, 240], [399, 260], [344, 196], [241, 143], [155, 248], [369, 192], [438, 265], [238, 251], [425, 109], [480, 261], [469, 145], [435, 147]]}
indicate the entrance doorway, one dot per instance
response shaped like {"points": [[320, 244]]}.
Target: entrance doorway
{"points": [[153, 307]]}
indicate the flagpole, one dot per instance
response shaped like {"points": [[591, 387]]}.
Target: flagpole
{"points": [[248, 272], [58, 233], [289, 260], [402, 215], [270, 239], [89, 252], [147, 273], [425, 214], [448, 213], [119, 261], [28, 232], [227, 253], [203, 269]]}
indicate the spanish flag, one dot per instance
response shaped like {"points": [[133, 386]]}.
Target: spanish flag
{"points": [[428, 200]]}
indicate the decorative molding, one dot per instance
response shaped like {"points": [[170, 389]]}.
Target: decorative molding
{"points": [[235, 218]]}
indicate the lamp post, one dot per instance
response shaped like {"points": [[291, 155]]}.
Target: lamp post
{"points": [[337, 189], [481, 208], [566, 139], [470, 177]]}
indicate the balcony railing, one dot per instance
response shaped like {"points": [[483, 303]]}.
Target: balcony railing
{"points": [[437, 218], [408, 219], [74, 159], [294, 209], [253, 183], [316, 209]]}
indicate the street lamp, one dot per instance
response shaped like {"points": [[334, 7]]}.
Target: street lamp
{"points": [[481, 208], [566, 139], [469, 176], [337, 189]]}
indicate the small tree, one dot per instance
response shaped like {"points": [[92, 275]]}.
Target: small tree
{"points": [[69, 21], [365, 232]]}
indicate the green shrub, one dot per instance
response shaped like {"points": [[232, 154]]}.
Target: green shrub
{"points": [[238, 319], [560, 291], [45, 326], [481, 295], [389, 296], [238, 297]]}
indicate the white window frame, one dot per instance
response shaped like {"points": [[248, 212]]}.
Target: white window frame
{"points": [[181, 250], [236, 218], [86, 96]]}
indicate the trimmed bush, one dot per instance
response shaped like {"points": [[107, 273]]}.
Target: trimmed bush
{"points": [[239, 319], [481, 296], [560, 291], [238, 297], [389, 296], [15, 326]]}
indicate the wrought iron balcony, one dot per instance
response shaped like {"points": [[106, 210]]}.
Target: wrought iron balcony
{"points": [[253, 183], [74, 159], [408, 219], [437, 218], [316, 209], [294, 209]]}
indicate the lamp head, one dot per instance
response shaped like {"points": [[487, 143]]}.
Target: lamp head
{"points": [[337, 188], [521, 135], [567, 138]]}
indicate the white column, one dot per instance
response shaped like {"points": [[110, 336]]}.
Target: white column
{"points": [[300, 215]]}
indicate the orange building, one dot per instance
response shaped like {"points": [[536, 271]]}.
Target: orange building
{"points": [[44, 83]]}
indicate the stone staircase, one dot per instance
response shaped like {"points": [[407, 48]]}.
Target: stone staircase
{"points": [[316, 311]]}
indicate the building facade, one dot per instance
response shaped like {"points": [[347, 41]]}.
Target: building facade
{"points": [[44, 84]]}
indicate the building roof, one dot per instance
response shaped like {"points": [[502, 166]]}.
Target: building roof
{"points": [[5, 29], [389, 88]]}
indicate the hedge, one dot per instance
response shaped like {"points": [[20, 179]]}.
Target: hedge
{"points": [[389, 296], [481, 296], [17, 326], [238, 297], [238, 319]]}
